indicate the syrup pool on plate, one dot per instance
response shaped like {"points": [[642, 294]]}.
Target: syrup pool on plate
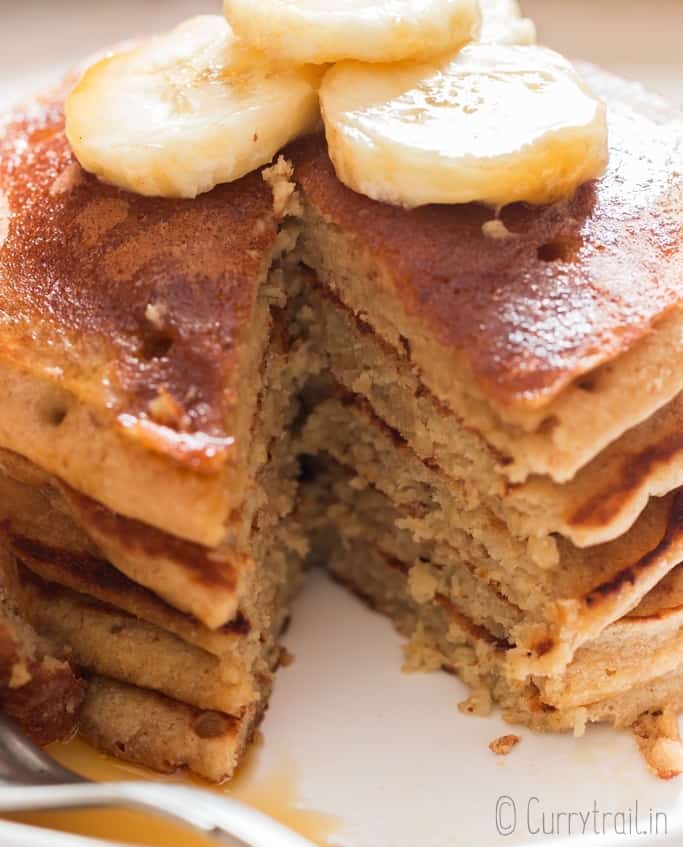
{"points": [[274, 793]]}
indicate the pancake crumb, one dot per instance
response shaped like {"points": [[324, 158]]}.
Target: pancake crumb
{"points": [[478, 703], [279, 177], [421, 583], [497, 230], [543, 551], [19, 675], [166, 410], [67, 180], [286, 658], [155, 314], [503, 745], [580, 722], [419, 655], [659, 740]]}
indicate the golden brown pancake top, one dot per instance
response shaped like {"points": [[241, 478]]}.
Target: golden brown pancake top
{"points": [[577, 284], [81, 263]]}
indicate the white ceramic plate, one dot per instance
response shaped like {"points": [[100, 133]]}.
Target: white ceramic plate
{"points": [[389, 755]]}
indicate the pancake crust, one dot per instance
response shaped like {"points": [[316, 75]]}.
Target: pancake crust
{"points": [[576, 285]]}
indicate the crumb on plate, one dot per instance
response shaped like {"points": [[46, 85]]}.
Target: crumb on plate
{"points": [[503, 745], [659, 741]]}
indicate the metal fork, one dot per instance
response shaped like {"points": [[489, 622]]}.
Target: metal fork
{"points": [[31, 781]]}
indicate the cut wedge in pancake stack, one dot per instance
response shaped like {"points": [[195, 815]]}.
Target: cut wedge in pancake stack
{"points": [[472, 416]]}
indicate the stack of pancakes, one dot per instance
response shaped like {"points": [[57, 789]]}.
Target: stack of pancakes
{"points": [[505, 434], [474, 422], [148, 479]]}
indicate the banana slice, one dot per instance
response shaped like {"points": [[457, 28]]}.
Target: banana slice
{"points": [[326, 30], [187, 110], [502, 22], [493, 124]]}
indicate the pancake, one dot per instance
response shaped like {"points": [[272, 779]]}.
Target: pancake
{"points": [[109, 642], [133, 331], [96, 578], [149, 729], [505, 332]]}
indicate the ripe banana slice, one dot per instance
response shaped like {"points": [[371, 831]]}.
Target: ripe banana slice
{"points": [[502, 22], [187, 110], [493, 124], [328, 30]]}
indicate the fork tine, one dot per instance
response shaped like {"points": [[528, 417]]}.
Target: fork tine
{"points": [[21, 761]]}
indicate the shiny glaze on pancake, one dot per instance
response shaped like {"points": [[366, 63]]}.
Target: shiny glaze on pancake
{"points": [[81, 262], [578, 283]]}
